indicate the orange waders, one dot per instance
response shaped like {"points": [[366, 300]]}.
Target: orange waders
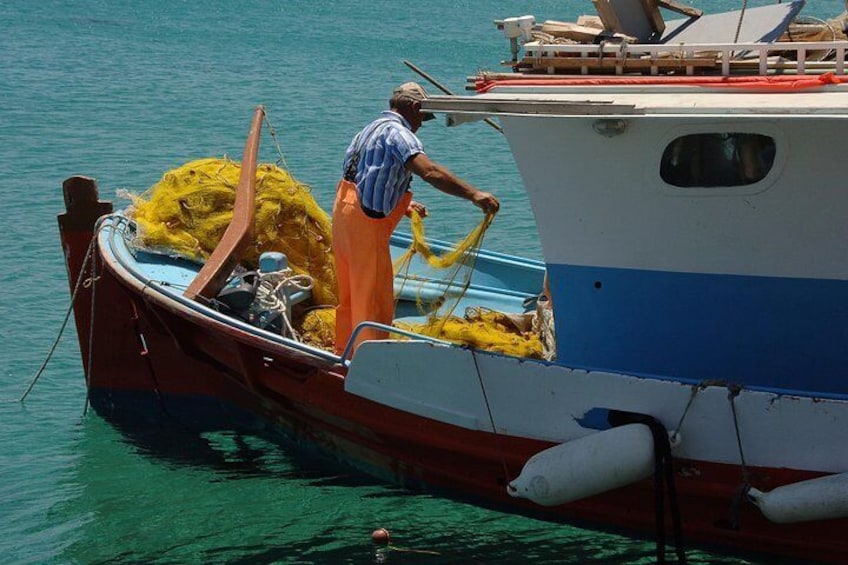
{"points": [[363, 265]]}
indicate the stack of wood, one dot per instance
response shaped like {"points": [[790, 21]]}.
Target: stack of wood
{"points": [[630, 20], [620, 21]]}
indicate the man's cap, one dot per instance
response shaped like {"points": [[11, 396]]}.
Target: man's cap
{"points": [[413, 92]]}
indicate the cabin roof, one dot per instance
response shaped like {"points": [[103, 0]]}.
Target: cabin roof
{"points": [[642, 100]]}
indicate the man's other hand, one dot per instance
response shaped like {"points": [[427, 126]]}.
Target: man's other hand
{"points": [[416, 207], [486, 201]]}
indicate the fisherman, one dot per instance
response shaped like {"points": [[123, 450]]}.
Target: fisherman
{"points": [[370, 201]]}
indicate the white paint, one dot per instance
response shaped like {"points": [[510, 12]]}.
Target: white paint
{"points": [[600, 201], [530, 399]]}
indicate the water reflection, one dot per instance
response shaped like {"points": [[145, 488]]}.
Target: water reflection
{"points": [[166, 495]]}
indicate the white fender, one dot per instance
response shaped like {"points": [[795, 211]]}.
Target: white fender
{"points": [[823, 498], [587, 466]]}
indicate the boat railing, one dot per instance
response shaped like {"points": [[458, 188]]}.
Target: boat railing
{"points": [[762, 58], [391, 330]]}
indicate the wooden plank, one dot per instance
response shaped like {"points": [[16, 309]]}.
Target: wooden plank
{"points": [[239, 235], [573, 63], [652, 9], [572, 31], [680, 8], [590, 21], [608, 16]]}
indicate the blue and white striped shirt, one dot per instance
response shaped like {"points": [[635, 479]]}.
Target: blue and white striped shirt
{"points": [[384, 146]]}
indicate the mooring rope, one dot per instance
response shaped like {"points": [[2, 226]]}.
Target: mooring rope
{"points": [[741, 493], [92, 281], [498, 439], [77, 286], [663, 481], [733, 391]]}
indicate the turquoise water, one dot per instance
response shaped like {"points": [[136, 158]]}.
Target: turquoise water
{"points": [[122, 91]]}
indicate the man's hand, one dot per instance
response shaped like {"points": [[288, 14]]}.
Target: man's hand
{"points": [[486, 201], [440, 177], [416, 207]]}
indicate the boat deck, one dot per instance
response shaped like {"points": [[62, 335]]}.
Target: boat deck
{"points": [[498, 282]]}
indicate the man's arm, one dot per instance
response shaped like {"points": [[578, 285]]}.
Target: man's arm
{"points": [[441, 178]]}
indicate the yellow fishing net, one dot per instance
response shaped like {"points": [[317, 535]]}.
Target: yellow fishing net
{"points": [[187, 212], [463, 252], [480, 328], [484, 329], [189, 209]]}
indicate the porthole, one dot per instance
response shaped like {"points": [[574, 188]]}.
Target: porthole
{"points": [[713, 160]]}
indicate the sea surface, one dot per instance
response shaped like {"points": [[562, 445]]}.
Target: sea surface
{"points": [[124, 90]]}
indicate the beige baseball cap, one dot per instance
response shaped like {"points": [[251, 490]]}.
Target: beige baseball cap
{"points": [[414, 92]]}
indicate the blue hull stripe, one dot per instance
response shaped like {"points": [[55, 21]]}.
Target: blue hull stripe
{"points": [[763, 332]]}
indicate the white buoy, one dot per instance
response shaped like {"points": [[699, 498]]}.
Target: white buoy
{"points": [[587, 466], [823, 498]]}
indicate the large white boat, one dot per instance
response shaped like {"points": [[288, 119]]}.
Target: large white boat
{"points": [[691, 208]]}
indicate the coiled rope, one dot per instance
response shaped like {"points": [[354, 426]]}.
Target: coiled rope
{"points": [[273, 292]]}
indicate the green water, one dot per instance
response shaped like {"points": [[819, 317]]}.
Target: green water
{"points": [[125, 90]]}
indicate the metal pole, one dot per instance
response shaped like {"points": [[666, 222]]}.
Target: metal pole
{"points": [[444, 89]]}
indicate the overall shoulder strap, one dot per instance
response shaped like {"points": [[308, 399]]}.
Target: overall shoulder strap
{"points": [[360, 142]]}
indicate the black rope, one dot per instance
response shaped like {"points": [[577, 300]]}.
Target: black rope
{"points": [[491, 417], [741, 494], [733, 391], [663, 481], [741, 17]]}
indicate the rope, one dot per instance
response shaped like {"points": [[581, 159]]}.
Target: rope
{"points": [[741, 493], [741, 17], [92, 281], [281, 160], [733, 391], [272, 294], [695, 390], [77, 286], [145, 352], [663, 473], [498, 439]]}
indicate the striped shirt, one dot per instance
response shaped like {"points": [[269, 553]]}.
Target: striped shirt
{"points": [[383, 146]]}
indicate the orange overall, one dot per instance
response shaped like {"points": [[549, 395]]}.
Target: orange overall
{"points": [[363, 265]]}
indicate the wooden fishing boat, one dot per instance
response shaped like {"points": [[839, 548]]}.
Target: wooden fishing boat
{"points": [[699, 279]]}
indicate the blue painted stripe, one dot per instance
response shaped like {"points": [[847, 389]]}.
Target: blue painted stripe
{"points": [[764, 332]]}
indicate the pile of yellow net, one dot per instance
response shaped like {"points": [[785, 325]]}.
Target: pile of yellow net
{"points": [[187, 212], [485, 329]]}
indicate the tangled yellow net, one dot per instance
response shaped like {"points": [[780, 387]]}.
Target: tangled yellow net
{"points": [[462, 253], [485, 329], [480, 328], [188, 210]]}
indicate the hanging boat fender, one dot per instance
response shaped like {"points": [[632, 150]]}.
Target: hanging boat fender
{"points": [[587, 466], [823, 498]]}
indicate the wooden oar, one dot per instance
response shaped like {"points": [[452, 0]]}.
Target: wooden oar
{"points": [[239, 235], [444, 89]]}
